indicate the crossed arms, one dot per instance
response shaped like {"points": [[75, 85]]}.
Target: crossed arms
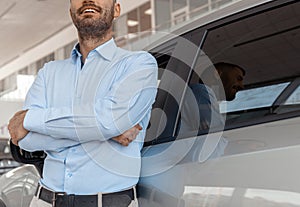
{"points": [[67, 126], [18, 132]]}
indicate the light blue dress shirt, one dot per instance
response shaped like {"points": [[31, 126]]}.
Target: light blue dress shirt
{"points": [[75, 110]]}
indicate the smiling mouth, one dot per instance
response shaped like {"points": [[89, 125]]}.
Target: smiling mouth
{"points": [[89, 10]]}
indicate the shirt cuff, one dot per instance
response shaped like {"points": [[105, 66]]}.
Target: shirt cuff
{"points": [[25, 143], [35, 121]]}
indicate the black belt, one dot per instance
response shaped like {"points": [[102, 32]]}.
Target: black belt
{"points": [[63, 199]]}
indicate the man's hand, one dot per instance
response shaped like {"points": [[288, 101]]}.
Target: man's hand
{"points": [[128, 136], [15, 127]]}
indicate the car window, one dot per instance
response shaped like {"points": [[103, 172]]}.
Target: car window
{"points": [[157, 109], [253, 98], [266, 46], [174, 68], [294, 97]]}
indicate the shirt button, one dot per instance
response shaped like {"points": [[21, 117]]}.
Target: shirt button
{"points": [[70, 175]]}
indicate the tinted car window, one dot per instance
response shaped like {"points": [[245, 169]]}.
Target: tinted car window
{"points": [[266, 45], [294, 98], [253, 98]]}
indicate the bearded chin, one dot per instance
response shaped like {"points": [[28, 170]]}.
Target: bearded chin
{"points": [[92, 29]]}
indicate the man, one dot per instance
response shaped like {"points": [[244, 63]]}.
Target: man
{"points": [[220, 82], [232, 77], [85, 113]]}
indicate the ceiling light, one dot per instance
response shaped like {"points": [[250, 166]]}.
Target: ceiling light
{"points": [[148, 11], [132, 23]]}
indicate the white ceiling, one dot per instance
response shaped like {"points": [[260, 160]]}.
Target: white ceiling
{"points": [[26, 23]]}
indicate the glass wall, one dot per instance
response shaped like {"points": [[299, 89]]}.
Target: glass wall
{"points": [[15, 86], [8, 84], [161, 15], [178, 4], [172, 12], [134, 24]]}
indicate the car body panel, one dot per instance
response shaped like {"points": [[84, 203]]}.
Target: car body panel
{"points": [[256, 169]]}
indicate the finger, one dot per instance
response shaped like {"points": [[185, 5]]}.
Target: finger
{"points": [[127, 142], [135, 134], [131, 137], [124, 143], [122, 140], [138, 127]]}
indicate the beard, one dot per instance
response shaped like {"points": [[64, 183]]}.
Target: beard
{"points": [[93, 28], [230, 95]]}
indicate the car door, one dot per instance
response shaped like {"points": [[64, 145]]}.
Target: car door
{"points": [[252, 162]]}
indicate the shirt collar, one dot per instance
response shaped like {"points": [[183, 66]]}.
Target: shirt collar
{"points": [[106, 50], [75, 53]]}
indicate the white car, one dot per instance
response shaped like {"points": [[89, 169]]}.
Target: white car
{"points": [[18, 186], [6, 161], [256, 163]]}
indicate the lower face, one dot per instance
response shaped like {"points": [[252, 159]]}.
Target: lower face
{"points": [[93, 20]]}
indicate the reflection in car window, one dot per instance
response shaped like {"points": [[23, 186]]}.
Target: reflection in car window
{"points": [[294, 98], [268, 54], [254, 98]]}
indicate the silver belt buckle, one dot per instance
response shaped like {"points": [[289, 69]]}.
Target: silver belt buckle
{"points": [[54, 197]]}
